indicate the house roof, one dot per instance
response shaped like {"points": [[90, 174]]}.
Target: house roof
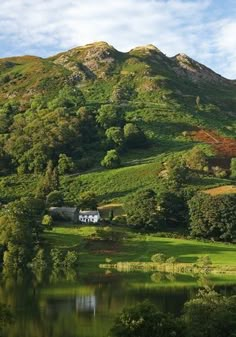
{"points": [[89, 213]]}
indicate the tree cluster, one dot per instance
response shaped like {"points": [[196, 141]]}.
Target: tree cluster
{"points": [[210, 314], [20, 228], [213, 217]]}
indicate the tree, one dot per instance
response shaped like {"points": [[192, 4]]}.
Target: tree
{"points": [[134, 136], [57, 258], [142, 210], [177, 174], [233, 168], [115, 136], [16, 257], [20, 227], [68, 97], [88, 201], [39, 262], [107, 116], [213, 217], [111, 159], [173, 209], [7, 112], [47, 221], [210, 315], [65, 164], [144, 320], [55, 198], [49, 182], [196, 159], [71, 259]]}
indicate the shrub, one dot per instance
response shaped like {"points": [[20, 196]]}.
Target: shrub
{"points": [[65, 164], [47, 221], [204, 261], [111, 159], [134, 136], [159, 257], [196, 159], [144, 320], [219, 172]]}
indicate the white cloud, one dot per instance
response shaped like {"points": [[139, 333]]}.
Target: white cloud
{"points": [[47, 26]]}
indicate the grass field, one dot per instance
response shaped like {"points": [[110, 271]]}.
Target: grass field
{"points": [[118, 185], [136, 247]]}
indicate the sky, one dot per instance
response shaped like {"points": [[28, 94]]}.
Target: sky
{"points": [[203, 29]]}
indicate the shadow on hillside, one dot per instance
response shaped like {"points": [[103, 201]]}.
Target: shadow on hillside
{"points": [[210, 181], [142, 251], [149, 155], [63, 239]]}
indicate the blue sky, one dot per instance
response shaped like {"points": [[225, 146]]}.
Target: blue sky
{"points": [[203, 29]]}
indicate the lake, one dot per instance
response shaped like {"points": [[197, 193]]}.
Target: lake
{"points": [[85, 306]]}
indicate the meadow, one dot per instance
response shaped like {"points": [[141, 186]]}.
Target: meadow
{"points": [[135, 247]]}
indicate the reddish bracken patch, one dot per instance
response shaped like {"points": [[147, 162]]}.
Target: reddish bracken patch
{"points": [[224, 147]]}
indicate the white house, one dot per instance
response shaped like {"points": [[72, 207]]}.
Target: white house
{"points": [[89, 216]]}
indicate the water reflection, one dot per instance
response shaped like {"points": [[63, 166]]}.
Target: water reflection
{"points": [[85, 306]]}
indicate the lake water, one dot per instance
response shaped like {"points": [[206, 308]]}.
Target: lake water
{"points": [[87, 305]]}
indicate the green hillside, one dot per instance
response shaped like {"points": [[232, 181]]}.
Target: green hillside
{"points": [[83, 103]]}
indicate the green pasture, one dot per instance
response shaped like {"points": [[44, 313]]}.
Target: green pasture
{"points": [[135, 247]]}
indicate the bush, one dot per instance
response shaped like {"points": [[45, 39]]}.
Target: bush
{"points": [[196, 159], [204, 261], [159, 258], [134, 136], [47, 222], [210, 314], [111, 159], [219, 172], [144, 320], [65, 164]]}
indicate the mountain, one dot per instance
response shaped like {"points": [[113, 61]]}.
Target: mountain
{"points": [[147, 67], [64, 104]]}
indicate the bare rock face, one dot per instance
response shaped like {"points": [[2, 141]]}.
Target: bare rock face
{"points": [[197, 72], [91, 61]]}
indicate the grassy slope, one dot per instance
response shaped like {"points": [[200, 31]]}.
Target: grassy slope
{"points": [[137, 247], [162, 103], [118, 185]]}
